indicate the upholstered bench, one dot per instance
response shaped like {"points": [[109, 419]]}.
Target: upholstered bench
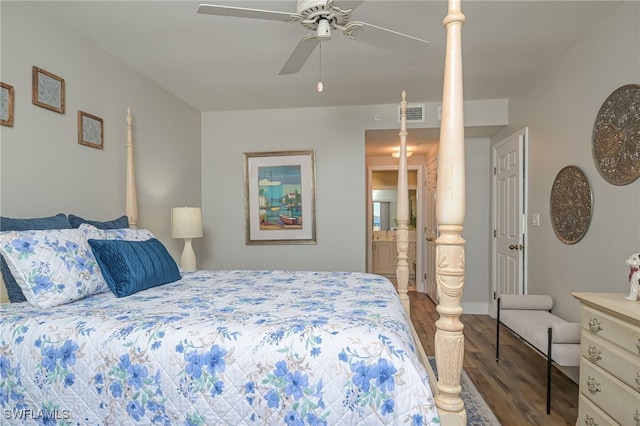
{"points": [[530, 317]]}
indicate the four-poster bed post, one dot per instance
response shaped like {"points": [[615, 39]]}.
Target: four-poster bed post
{"points": [[402, 233], [131, 201], [450, 210]]}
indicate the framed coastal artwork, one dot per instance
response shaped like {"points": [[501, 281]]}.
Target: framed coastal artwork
{"points": [[6, 104], [280, 197], [48, 90], [90, 130]]}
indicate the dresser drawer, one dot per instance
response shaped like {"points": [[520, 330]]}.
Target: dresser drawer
{"points": [[609, 394], [612, 329], [590, 415], [612, 359]]}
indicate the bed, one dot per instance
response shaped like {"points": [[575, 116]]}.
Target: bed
{"points": [[309, 348], [179, 347]]}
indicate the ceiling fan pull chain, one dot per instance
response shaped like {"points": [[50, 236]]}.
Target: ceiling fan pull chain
{"points": [[320, 86]]}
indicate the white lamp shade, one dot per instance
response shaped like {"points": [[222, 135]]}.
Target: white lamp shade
{"points": [[186, 222]]}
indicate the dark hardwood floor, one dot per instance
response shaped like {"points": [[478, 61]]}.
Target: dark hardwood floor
{"points": [[515, 387]]}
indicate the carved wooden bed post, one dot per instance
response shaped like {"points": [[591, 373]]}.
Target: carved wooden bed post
{"points": [[402, 233], [131, 201], [450, 209]]}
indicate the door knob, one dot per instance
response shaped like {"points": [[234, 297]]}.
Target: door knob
{"points": [[513, 247], [429, 239]]}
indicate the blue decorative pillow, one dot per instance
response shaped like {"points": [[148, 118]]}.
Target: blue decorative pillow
{"points": [[132, 266], [59, 221], [14, 292], [121, 222], [52, 266]]}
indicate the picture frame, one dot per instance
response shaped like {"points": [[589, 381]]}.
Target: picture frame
{"points": [[48, 90], [280, 193], [90, 130], [6, 104]]}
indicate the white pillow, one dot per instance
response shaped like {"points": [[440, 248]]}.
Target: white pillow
{"points": [[52, 267], [128, 234]]}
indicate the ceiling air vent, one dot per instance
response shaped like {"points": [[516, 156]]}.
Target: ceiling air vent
{"points": [[415, 113]]}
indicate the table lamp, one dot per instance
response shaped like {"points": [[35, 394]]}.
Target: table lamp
{"points": [[186, 222]]}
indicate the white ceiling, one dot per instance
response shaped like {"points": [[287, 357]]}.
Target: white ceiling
{"points": [[224, 63]]}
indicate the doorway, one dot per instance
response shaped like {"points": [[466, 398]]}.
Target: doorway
{"points": [[508, 216], [382, 185]]}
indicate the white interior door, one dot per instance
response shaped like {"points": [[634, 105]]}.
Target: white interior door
{"points": [[508, 215], [431, 228]]}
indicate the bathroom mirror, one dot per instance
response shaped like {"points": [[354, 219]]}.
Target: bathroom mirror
{"points": [[384, 196], [385, 209]]}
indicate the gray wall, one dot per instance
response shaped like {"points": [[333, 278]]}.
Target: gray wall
{"points": [[44, 171], [336, 135], [476, 232], [560, 107]]}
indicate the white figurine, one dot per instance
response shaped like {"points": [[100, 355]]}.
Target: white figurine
{"points": [[634, 276]]}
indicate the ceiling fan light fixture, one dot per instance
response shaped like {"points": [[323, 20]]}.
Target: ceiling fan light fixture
{"points": [[323, 32]]}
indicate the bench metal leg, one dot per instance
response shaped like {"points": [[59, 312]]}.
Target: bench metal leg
{"points": [[498, 332], [549, 370]]}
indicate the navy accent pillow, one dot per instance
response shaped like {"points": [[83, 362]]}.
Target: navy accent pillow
{"points": [[59, 221], [119, 223], [14, 292], [132, 266]]}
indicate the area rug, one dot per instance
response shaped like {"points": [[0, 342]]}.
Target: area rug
{"points": [[478, 412]]}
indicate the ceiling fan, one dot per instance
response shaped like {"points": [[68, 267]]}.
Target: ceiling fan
{"points": [[322, 17]]}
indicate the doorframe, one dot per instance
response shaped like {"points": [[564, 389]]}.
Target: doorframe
{"points": [[523, 139], [420, 282]]}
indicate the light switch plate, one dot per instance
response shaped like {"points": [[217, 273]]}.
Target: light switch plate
{"points": [[535, 219]]}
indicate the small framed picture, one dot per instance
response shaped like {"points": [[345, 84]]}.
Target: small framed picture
{"points": [[90, 130], [6, 105], [48, 90]]}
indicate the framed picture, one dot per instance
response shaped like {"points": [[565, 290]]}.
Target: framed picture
{"points": [[90, 130], [48, 90], [280, 197], [6, 105]]}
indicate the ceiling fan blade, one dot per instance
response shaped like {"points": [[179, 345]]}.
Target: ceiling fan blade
{"points": [[300, 54], [383, 37], [243, 12]]}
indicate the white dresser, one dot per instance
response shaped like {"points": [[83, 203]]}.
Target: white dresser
{"points": [[610, 362]]}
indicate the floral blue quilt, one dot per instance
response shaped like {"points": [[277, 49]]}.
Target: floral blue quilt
{"points": [[216, 348]]}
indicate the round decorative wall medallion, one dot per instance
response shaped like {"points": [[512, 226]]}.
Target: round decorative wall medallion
{"points": [[616, 136], [571, 204]]}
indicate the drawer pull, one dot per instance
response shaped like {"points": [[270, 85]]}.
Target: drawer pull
{"points": [[594, 354], [589, 421], [592, 385], [638, 381], [637, 418], [638, 346], [595, 326]]}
